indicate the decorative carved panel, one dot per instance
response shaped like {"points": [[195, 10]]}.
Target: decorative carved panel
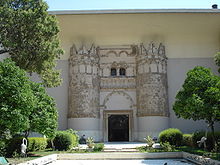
{"points": [[118, 83]]}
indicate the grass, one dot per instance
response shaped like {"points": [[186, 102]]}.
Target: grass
{"points": [[196, 151], [38, 154]]}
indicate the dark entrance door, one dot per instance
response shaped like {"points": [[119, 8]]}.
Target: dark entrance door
{"points": [[118, 128]]}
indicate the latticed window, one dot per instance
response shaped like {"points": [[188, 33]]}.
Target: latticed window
{"points": [[113, 72], [122, 72]]}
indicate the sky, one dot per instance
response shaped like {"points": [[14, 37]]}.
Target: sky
{"points": [[130, 4]]}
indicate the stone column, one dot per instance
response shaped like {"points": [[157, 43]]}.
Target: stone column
{"points": [[135, 136], [101, 123]]}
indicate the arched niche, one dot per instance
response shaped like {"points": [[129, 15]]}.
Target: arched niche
{"points": [[118, 100]]}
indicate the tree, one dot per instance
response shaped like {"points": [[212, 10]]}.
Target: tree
{"points": [[30, 36], [217, 60], [199, 98], [43, 118], [24, 105], [16, 98]]}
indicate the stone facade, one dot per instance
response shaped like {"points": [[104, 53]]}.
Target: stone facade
{"points": [[108, 80]]}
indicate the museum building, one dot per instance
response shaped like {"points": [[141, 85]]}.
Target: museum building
{"points": [[123, 68]]}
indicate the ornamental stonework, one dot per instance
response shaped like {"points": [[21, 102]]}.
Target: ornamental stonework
{"points": [[84, 83], [90, 73], [151, 81], [152, 95]]}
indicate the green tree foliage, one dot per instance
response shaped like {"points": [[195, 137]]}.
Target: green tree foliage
{"points": [[217, 60], [43, 118], [24, 105], [16, 98], [199, 98], [30, 35]]}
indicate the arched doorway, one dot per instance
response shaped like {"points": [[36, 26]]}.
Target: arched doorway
{"points": [[118, 128]]}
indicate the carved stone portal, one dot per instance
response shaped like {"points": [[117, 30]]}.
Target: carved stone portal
{"points": [[89, 73]]}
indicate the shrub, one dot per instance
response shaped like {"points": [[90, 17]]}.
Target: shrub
{"points": [[149, 141], [2, 148], [14, 146], [172, 135], [63, 140], [75, 137], [187, 140], [37, 143], [90, 142], [209, 142], [167, 147], [98, 147]]}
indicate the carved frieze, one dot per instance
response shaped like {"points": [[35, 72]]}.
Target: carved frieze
{"points": [[128, 50], [118, 83]]}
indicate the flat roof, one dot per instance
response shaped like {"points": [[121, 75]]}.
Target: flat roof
{"points": [[132, 11]]}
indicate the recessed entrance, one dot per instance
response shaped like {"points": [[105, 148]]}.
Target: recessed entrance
{"points": [[118, 128]]}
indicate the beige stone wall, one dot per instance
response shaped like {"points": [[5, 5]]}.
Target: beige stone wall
{"points": [[185, 35]]}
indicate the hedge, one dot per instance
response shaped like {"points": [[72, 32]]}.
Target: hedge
{"points": [[14, 146], [64, 140], [37, 143], [34, 144], [187, 140], [172, 135]]}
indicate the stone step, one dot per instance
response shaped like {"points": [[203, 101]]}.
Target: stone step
{"points": [[120, 150]]}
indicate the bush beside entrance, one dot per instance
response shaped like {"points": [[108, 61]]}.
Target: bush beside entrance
{"points": [[172, 135]]}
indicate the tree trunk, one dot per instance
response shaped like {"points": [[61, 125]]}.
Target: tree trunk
{"points": [[213, 133], [53, 147], [26, 134]]}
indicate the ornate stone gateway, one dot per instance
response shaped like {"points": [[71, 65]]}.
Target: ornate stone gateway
{"points": [[107, 80]]}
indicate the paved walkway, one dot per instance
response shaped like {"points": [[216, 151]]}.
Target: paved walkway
{"points": [[118, 145], [120, 162]]}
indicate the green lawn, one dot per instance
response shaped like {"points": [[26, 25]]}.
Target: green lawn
{"points": [[201, 152], [38, 154], [191, 150]]}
